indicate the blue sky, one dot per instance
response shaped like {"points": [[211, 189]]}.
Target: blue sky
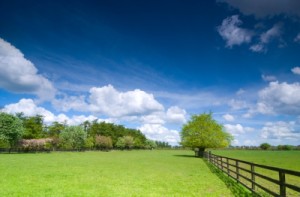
{"points": [[151, 64]]}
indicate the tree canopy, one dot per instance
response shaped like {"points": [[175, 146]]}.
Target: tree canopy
{"points": [[202, 131], [11, 129]]}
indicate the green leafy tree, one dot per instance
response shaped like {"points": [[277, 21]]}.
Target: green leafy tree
{"points": [[150, 144], [73, 137], [120, 143], [265, 146], [11, 129], [33, 127], [202, 132]]}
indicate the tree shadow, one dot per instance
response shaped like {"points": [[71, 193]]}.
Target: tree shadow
{"points": [[236, 189], [187, 156]]}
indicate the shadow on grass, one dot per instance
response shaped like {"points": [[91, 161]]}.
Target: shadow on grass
{"points": [[188, 156], [236, 189]]}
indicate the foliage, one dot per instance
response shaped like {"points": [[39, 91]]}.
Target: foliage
{"points": [[73, 137], [285, 147], [33, 127], [11, 129], [163, 145], [36, 144], [150, 144], [202, 131], [265, 146], [103, 142]]}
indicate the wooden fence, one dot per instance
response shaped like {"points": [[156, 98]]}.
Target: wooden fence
{"points": [[258, 178]]}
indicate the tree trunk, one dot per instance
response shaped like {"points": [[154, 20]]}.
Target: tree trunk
{"points": [[199, 152]]}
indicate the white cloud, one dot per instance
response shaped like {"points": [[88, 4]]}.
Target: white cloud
{"points": [[228, 117], [268, 77], [29, 108], [272, 33], [297, 38], [259, 48], [237, 129], [154, 118], [266, 8], [268, 36], [107, 100], [160, 133], [20, 75], [67, 103], [280, 130], [237, 104], [176, 115], [280, 98], [296, 70], [232, 33]]}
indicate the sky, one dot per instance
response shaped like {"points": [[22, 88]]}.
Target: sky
{"points": [[150, 65]]}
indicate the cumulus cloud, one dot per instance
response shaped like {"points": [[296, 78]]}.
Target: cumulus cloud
{"points": [[29, 108], [160, 133], [20, 75], [280, 98], [266, 8], [280, 130], [296, 70], [228, 117], [232, 33], [237, 129], [268, 77], [176, 115], [107, 100]]}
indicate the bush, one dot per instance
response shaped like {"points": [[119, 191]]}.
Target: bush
{"points": [[103, 142]]}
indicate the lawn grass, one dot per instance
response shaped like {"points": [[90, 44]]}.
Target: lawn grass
{"points": [[116, 173], [281, 159]]}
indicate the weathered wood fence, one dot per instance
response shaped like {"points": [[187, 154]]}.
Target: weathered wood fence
{"points": [[258, 178]]}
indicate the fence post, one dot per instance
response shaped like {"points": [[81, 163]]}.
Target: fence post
{"points": [[227, 167], [282, 183], [252, 177], [237, 171]]}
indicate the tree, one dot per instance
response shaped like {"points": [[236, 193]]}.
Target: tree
{"points": [[265, 146], [202, 132], [150, 144], [33, 127], [73, 137], [11, 129], [103, 142]]}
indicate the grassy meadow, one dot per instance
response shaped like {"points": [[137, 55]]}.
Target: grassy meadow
{"points": [[281, 159], [115, 173]]}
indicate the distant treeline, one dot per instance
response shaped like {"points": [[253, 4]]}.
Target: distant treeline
{"points": [[265, 147], [29, 133]]}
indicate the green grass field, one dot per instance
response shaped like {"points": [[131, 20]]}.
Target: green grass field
{"points": [[282, 159], [116, 173]]}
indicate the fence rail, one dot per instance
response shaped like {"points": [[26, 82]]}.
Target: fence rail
{"points": [[256, 177]]}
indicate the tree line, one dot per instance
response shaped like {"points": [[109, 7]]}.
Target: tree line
{"points": [[29, 133]]}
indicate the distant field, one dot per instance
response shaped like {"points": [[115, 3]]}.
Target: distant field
{"points": [[116, 173], [282, 159]]}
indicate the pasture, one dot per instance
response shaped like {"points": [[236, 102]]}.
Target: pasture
{"points": [[115, 173], [281, 159]]}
